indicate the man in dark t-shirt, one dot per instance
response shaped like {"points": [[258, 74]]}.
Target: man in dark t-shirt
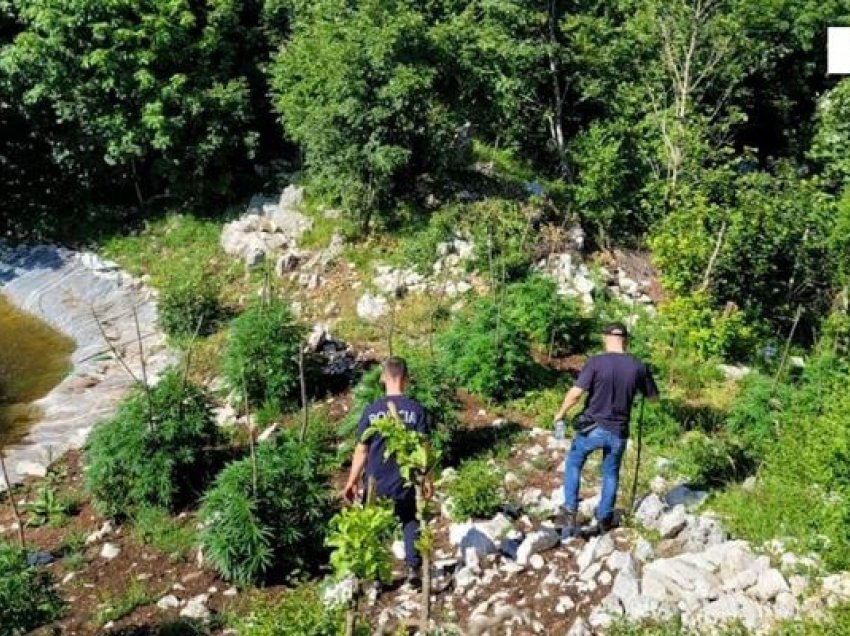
{"points": [[370, 459], [611, 381]]}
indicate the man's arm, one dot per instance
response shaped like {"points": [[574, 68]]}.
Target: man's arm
{"points": [[349, 492], [570, 400]]}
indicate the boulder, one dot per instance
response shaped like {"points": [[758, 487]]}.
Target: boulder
{"points": [[537, 542], [682, 495], [196, 608], [372, 307], [770, 584], [168, 602], [109, 551], [672, 522], [649, 511]]}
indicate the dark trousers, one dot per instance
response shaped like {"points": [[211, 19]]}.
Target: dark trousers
{"points": [[405, 510]]}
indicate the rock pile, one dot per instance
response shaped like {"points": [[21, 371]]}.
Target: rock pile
{"points": [[447, 279], [268, 228]]}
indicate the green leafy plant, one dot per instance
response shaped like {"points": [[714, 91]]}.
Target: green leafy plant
{"points": [[261, 357], [554, 322], [360, 537], [189, 304], [269, 515], [711, 461], [47, 507], [27, 597], [487, 353], [476, 491], [297, 612], [155, 451], [406, 446]]}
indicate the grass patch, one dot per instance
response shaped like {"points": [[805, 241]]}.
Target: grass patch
{"points": [[156, 528], [119, 606]]}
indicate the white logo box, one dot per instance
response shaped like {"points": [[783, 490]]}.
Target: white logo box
{"points": [[838, 51]]}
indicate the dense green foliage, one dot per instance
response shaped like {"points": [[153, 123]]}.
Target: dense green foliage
{"points": [[261, 358], [355, 88], [27, 597], [476, 490], [299, 611], [802, 489], [486, 352], [188, 306], [157, 450], [555, 323], [360, 537], [268, 517]]}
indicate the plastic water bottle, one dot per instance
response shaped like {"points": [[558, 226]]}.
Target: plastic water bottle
{"points": [[560, 429]]}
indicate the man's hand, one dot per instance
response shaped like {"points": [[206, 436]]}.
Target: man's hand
{"points": [[349, 493]]}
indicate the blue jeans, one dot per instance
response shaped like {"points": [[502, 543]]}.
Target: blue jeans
{"points": [[613, 447]]}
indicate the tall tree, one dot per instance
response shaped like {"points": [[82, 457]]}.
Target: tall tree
{"points": [[355, 88], [155, 89]]}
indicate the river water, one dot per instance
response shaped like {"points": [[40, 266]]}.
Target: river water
{"points": [[34, 358]]}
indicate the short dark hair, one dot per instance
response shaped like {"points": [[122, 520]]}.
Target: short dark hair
{"points": [[395, 367]]}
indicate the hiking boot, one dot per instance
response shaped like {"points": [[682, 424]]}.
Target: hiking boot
{"points": [[570, 527], [607, 524], [414, 577]]}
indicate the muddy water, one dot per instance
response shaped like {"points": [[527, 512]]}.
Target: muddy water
{"points": [[34, 358]]}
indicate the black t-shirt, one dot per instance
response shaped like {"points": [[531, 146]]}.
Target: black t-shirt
{"points": [[611, 381], [388, 480]]}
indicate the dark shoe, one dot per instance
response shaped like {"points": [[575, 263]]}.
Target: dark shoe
{"points": [[607, 524], [570, 527], [414, 577]]}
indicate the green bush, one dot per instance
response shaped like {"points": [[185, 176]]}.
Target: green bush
{"points": [[299, 611], [27, 597], [803, 487], [249, 533], [187, 303], [360, 537], [155, 451], [261, 357], [553, 322], [476, 490], [755, 413], [486, 353], [711, 461]]}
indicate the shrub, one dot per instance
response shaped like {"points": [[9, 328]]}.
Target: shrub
{"points": [[153, 452], [278, 525], [711, 461], [476, 490], [297, 612], [185, 303], [360, 538], [261, 357], [552, 321], [755, 413], [486, 353], [27, 597], [691, 325], [803, 488]]}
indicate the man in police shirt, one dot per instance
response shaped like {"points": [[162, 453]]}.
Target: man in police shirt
{"points": [[369, 459]]}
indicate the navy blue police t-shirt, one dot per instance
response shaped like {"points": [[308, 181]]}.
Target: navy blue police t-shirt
{"points": [[388, 480], [611, 381]]}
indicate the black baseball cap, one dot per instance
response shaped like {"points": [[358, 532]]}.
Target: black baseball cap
{"points": [[616, 329]]}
